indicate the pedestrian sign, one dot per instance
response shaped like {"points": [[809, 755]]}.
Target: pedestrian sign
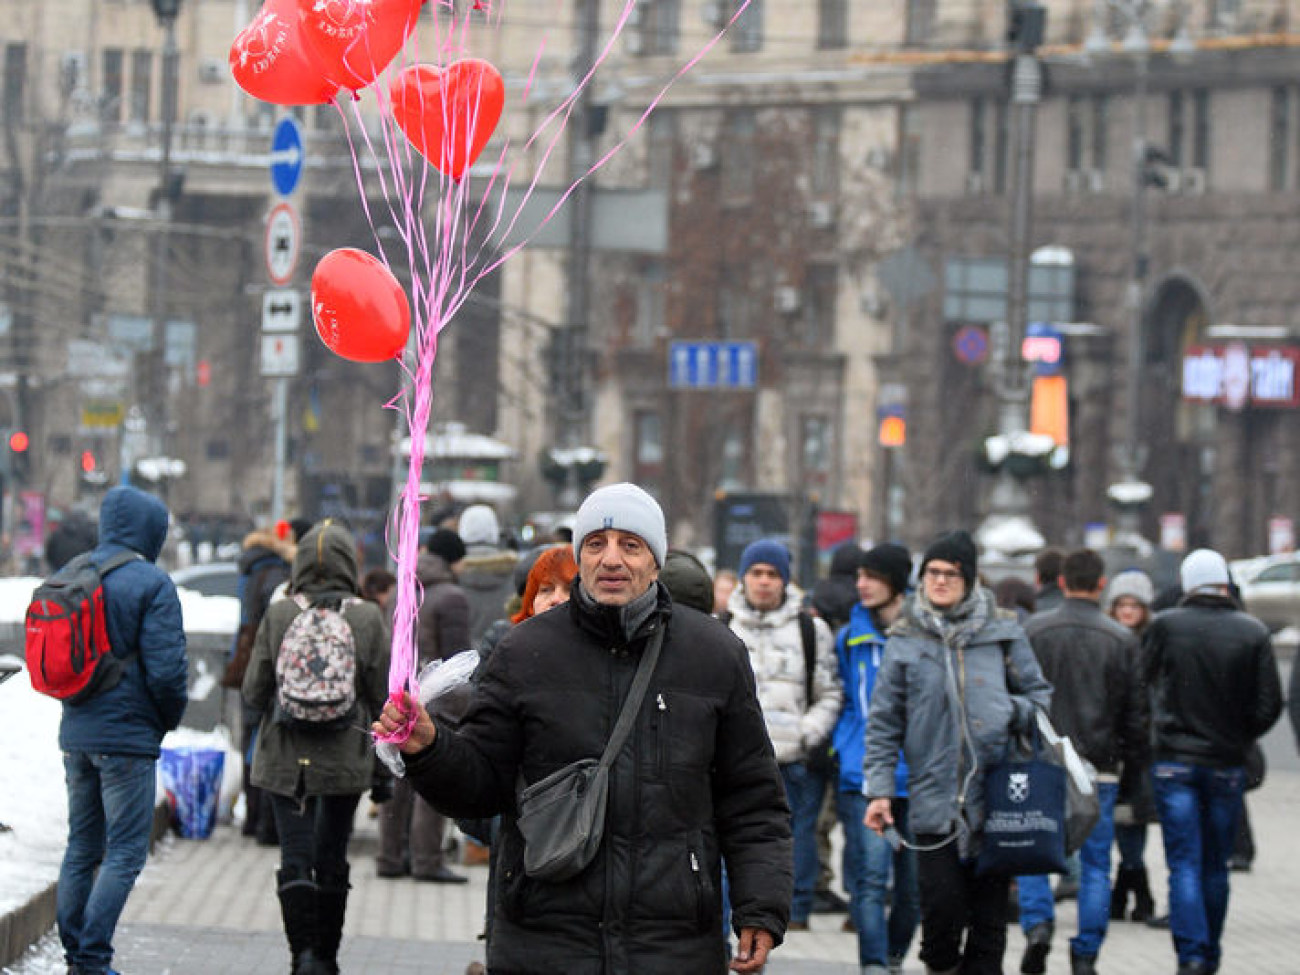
{"points": [[713, 365]]}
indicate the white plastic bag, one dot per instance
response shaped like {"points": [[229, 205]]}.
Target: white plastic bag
{"points": [[436, 681], [1082, 804]]}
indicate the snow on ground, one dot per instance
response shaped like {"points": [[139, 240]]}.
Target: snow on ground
{"points": [[202, 614]]}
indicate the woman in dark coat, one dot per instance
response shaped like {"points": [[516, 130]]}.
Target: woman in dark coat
{"points": [[316, 775]]}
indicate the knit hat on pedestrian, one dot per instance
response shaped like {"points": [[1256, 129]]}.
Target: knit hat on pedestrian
{"points": [[766, 551], [623, 507], [478, 525], [1204, 568], [891, 562], [958, 548], [446, 543], [1131, 583]]}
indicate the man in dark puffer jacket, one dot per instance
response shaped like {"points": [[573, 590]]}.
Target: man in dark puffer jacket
{"points": [[111, 742], [696, 781]]}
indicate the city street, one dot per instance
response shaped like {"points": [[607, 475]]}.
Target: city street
{"points": [[208, 907]]}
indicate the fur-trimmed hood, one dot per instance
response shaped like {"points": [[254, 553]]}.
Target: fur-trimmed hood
{"points": [[260, 543]]}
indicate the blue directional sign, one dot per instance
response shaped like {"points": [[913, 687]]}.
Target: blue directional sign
{"points": [[286, 157], [712, 365]]}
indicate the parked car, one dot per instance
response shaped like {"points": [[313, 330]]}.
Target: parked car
{"points": [[1272, 593], [209, 578]]}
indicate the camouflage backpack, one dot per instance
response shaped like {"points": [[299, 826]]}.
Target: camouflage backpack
{"points": [[316, 668]]}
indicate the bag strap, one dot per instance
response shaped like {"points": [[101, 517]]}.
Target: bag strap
{"points": [[808, 634], [644, 671], [117, 561]]}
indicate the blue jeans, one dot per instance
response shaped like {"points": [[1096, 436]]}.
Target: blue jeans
{"points": [[1036, 899], [1199, 808], [804, 790], [110, 815], [867, 862]]}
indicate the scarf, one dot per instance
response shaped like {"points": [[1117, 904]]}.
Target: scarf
{"points": [[955, 626], [626, 620]]}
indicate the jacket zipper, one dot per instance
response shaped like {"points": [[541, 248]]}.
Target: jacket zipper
{"points": [[701, 908], [661, 736]]}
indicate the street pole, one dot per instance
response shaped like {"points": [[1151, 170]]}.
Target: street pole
{"points": [[166, 12], [573, 413], [1009, 501], [281, 447]]}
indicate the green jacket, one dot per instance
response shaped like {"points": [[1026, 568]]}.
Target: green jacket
{"points": [[292, 762]]}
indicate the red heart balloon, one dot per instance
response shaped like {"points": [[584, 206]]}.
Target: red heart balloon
{"points": [[359, 308], [450, 114], [356, 39], [270, 61]]}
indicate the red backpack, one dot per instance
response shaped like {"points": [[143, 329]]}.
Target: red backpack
{"points": [[68, 656]]}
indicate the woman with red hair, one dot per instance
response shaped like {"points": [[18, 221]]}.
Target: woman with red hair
{"points": [[549, 582]]}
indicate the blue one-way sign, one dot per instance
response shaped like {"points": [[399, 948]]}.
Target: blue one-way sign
{"points": [[713, 365], [286, 157]]}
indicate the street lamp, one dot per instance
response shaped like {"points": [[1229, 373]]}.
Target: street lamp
{"points": [[1130, 493], [1008, 528]]}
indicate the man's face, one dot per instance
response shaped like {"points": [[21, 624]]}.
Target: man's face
{"points": [[944, 585], [764, 587], [873, 591], [616, 566]]}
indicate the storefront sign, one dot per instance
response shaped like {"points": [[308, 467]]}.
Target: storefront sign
{"points": [[1237, 376], [1281, 535]]}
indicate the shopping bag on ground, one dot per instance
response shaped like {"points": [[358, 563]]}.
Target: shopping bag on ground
{"points": [[191, 779]]}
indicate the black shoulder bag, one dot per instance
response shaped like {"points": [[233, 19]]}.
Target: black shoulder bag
{"points": [[562, 817]]}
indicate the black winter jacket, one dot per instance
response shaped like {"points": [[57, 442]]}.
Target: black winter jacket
{"points": [[1214, 680], [1099, 698], [697, 780]]}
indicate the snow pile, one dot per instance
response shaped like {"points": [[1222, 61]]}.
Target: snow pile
{"points": [[34, 802], [1008, 536]]}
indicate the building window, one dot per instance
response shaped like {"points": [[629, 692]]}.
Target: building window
{"points": [[1100, 131], [747, 31], [141, 85], [661, 148], [1177, 128], [114, 62], [734, 302], [825, 175], [978, 136], [1001, 148], [648, 456], [832, 24], [660, 26], [1201, 128], [819, 306], [920, 21], [15, 81], [651, 291], [1279, 138], [909, 155], [815, 462], [1074, 134], [738, 156]]}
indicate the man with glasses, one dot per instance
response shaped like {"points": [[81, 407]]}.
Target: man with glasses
{"points": [[957, 680]]}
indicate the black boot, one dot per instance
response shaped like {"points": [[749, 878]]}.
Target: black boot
{"points": [[331, 908], [1038, 942], [1144, 906], [298, 908], [1119, 894]]}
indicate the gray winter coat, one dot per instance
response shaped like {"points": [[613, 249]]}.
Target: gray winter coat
{"points": [[916, 707], [488, 577], [293, 762]]}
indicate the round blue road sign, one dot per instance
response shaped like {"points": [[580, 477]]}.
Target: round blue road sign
{"points": [[286, 157]]}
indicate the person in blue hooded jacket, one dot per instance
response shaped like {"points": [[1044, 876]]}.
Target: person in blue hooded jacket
{"points": [[882, 583], [111, 742]]}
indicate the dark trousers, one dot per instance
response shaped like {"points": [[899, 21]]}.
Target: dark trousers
{"points": [[314, 835], [963, 917], [410, 833]]}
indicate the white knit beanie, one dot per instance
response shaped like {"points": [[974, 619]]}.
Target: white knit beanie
{"points": [[478, 525], [624, 507], [1203, 569], [1133, 583]]}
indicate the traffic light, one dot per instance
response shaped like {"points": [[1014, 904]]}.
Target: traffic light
{"points": [[18, 441], [87, 462]]}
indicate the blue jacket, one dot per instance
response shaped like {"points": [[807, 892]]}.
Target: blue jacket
{"points": [[859, 648], [143, 615]]}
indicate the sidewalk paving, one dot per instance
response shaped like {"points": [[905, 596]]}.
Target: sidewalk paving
{"points": [[208, 907]]}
